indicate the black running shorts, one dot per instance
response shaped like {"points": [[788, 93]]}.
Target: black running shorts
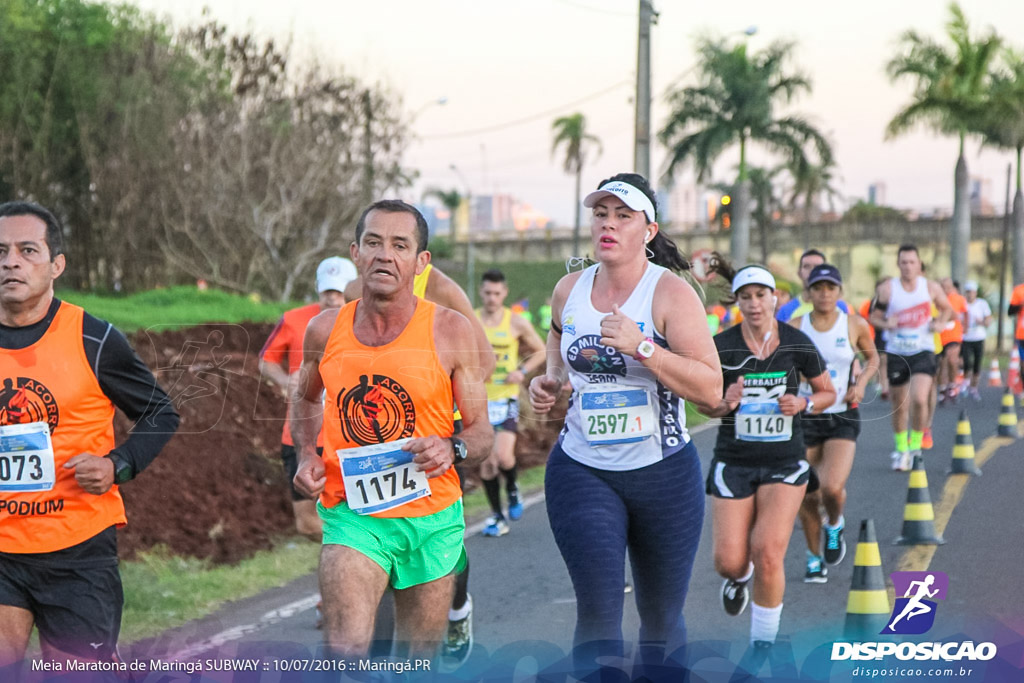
{"points": [[74, 595], [900, 368], [821, 428], [741, 481]]}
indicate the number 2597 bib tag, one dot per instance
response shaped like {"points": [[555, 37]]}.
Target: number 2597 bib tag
{"points": [[611, 416], [762, 421], [380, 477], [26, 457]]}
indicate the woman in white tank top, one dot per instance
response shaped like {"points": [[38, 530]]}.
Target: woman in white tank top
{"points": [[624, 473], [831, 438]]}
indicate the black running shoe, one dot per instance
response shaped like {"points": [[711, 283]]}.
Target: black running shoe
{"points": [[735, 596], [835, 546]]}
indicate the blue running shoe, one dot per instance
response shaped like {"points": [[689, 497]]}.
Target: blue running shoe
{"points": [[835, 546], [496, 526], [515, 506]]}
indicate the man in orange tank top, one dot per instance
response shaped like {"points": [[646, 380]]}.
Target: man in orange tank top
{"points": [[280, 359], [390, 364], [62, 373]]}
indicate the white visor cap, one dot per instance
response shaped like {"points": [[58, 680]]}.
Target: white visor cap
{"points": [[335, 273], [630, 196], [752, 275]]}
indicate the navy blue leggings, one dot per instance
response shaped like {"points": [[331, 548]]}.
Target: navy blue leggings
{"points": [[657, 512]]}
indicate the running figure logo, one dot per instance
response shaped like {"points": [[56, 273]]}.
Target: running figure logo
{"points": [[24, 400], [914, 612], [377, 410]]}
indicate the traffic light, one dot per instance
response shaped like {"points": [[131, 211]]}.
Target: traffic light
{"points": [[726, 211]]}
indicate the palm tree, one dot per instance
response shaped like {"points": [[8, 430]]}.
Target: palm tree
{"points": [[1004, 128], [450, 199], [571, 131], [736, 102], [950, 89], [810, 181]]}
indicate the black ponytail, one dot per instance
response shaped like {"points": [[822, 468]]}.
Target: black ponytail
{"points": [[666, 253]]}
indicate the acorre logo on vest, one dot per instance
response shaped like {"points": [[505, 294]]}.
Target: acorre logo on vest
{"points": [[376, 411], [24, 400]]}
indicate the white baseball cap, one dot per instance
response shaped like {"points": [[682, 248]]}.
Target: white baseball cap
{"points": [[752, 275], [970, 286], [335, 273], [631, 196]]}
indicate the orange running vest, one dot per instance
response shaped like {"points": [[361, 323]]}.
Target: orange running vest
{"points": [[285, 344], [51, 381], [378, 394]]}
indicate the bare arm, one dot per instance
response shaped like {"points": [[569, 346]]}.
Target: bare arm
{"points": [[824, 395], [354, 289], [545, 389], [452, 332], [275, 372], [306, 412], [941, 302], [532, 350], [878, 317], [860, 333], [689, 367], [442, 290]]}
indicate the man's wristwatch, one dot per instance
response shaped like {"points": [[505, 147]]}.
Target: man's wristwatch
{"points": [[810, 406], [644, 350], [459, 446], [122, 469]]}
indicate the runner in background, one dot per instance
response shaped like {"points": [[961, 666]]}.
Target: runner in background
{"points": [[831, 437], [979, 317], [951, 337], [903, 308], [878, 337], [1016, 308], [759, 474], [513, 338], [802, 304], [62, 373], [280, 359]]}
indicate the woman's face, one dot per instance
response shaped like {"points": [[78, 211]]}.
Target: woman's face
{"points": [[825, 295], [757, 304], [619, 233]]}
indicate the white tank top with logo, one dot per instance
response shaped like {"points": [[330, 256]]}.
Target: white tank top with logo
{"points": [[913, 311], [620, 417], [834, 346]]}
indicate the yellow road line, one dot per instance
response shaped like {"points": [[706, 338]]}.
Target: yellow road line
{"points": [[919, 557]]}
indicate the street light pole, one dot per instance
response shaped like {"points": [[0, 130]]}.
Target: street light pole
{"points": [[470, 254], [642, 138]]}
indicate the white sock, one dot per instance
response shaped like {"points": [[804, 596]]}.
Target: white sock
{"points": [[840, 523], [764, 622], [456, 614]]}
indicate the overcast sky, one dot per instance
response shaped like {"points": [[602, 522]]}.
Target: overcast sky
{"points": [[502, 62]]}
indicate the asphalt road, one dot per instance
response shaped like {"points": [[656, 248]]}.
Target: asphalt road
{"points": [[524, 604]]}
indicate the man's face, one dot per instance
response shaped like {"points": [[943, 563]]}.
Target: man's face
{"points": [[386, 253], [26, 272], [492, 295], [331, 298], [807, 264], [909, 264]]}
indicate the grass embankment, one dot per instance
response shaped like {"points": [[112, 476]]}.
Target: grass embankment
{"points": [[175, 308]]}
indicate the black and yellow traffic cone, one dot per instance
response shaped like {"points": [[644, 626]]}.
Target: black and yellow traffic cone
{"points": [[918, 515], [867, 608], [963, 449], [1007, 417]]}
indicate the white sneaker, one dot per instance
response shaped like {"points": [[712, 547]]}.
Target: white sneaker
{"points": [[897, 461], [908, 460]]}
